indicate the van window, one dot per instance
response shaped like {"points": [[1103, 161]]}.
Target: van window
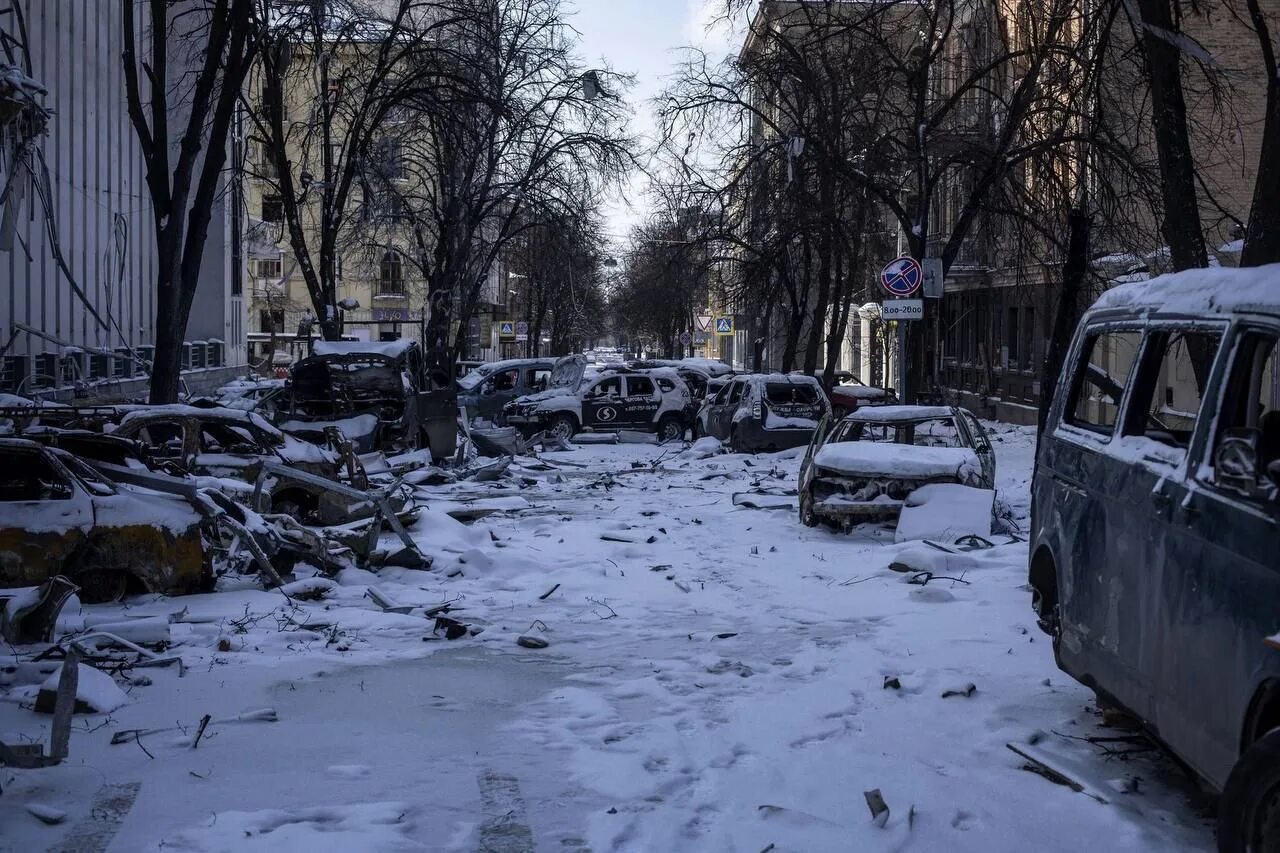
{"points": [[1171, 383], [1251, 404], [735, 392], [537, 378], [1100, 379], [787, 393], [611, 387]]}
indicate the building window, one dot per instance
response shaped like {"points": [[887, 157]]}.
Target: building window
{"points": [[391, 276], [391, 159], [270, 268], [272, 208], [271, 320], [1029, 337]]}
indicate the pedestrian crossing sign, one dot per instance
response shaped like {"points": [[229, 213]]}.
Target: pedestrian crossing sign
{"points": [[724, 325]]}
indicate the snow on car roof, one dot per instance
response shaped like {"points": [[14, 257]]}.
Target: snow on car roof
{"points": [[217, 414], [1215, 290], [883, 414], [785, 378], [710, 365], [388, 349], [874, 458]]}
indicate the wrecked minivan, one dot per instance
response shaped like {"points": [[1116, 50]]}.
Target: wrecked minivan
{"points": [[376, 394], [1156, 526], [60, 517]]}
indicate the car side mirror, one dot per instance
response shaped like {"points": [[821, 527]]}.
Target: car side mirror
{"points": [[1235, 461]]}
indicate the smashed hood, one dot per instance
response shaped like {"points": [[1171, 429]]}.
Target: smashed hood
{"points": [[880, 459]]}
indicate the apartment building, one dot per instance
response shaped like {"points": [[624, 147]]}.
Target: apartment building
{"points": [[77, 238]]}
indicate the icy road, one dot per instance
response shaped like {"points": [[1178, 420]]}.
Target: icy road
{"points": [[716, 678]]}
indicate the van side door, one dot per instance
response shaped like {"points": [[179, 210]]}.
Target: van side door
{"points": [[1099, 558], [1222, 595], [641, 405]]}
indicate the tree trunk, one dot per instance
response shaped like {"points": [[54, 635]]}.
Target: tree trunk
{"points": [[166, 369], [1262, 238], [1182, 230], [1067, 312]]}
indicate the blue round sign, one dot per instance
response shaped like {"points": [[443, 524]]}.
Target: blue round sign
{"points": [[901, 276]]}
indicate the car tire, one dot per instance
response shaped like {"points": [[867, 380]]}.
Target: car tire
{"points": [[102, 586], [670, 429], [562, 427], [735, 443], [1249, 809]]}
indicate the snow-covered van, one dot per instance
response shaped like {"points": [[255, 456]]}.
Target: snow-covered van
{"points": [[653, 400], [1155, 540], [759, 411]]}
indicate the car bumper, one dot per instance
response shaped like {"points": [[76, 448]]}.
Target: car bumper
{"points": [[842, 509], [753, 436]]}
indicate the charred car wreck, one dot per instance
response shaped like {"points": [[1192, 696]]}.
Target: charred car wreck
{"points": [[376, 394]]}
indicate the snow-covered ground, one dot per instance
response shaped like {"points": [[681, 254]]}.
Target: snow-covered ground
{"points": [[717, 678]]}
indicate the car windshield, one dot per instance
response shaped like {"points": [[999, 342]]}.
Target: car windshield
{"points": [[930, 432]]}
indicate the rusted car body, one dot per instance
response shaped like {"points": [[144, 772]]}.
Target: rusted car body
{"points": [[377, 394], [233, 444], [60, 517], [864, 467]]}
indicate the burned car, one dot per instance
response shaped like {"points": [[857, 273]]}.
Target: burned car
{"points": [[377, 394], [760, 411], [849, 393], [233, 444], [484, 391], [58, 516], [654, 401], [866, 466]]}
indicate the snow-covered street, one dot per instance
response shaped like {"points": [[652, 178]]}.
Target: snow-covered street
{"points": [[717, 677]]}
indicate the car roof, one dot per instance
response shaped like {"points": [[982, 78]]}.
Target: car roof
{"points": [[1209, 291], [900, 414]]}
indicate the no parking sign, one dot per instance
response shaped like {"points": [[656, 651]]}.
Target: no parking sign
{"points": [[901, 276]]}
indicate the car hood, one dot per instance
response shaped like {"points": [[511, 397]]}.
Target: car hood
{"points": [[881, 459], [568, 373], [547, 395]]}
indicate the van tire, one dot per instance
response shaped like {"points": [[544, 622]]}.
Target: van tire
{"points": [[102, 586], [1249, 809], [670, 429]]}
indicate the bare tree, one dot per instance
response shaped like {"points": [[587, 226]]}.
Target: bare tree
{"points": [[182, 96]]}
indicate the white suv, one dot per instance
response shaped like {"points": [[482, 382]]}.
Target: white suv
{"points": [[653, 400]]}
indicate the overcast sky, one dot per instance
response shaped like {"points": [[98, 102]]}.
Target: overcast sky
{"points": [[642, 37]]}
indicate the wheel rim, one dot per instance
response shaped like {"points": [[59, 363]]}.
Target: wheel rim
{"points": [[562, 428], [671, 431]]}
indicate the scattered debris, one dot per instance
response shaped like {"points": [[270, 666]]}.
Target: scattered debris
{"points": [[528, 642], [891, 682], [879, 809], [95, 692], [966, 691], [261, 715], [548, 593], [1042, 764], [386, 604], [29, 615]]}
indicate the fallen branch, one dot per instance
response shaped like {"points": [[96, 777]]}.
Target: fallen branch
{"points": [[548, 593]]}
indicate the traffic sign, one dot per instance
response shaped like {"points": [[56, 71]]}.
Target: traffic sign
{"points": [[704, 322], [700, 337], [902, 309], [686, 338], [507, 329], [932, 286], [724, 326], [522, 332], [901, 276]]}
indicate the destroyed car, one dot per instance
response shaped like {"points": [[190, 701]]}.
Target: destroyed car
{"points": [[484, 391], [849, 393], [58, 516], [654, 401], [377, 394], [865, 467], [770, 412], [232, 444], [1156, 526]]}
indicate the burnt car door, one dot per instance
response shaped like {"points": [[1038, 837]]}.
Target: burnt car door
{"points": [[642, 402], [724, 413], [806, 465], [602, 404], [167, 440], [981, 444], [45, 517], [1221, 582], [228, 450]]}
